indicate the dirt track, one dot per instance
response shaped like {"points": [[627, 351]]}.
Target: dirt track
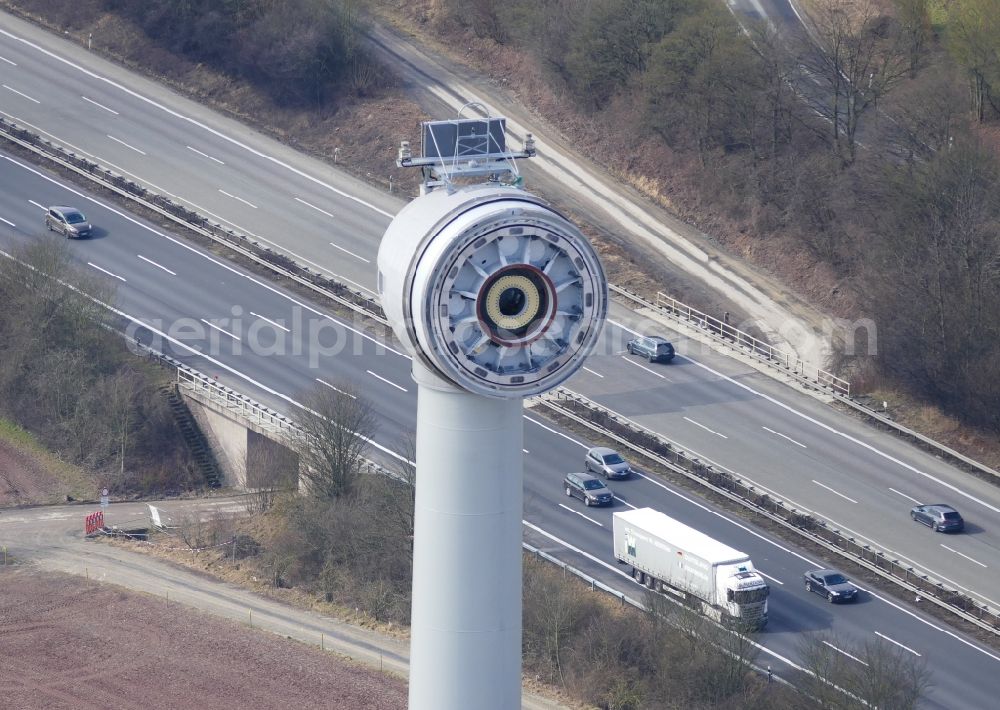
{"points": [[69, 643]]}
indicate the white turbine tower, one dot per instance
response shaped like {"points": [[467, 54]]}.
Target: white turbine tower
{"points": [[497, 297]]}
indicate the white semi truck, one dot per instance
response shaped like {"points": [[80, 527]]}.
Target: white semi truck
{"points": [[668, 556]]}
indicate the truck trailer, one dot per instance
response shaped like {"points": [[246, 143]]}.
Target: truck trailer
{"points": [[668, 556]]}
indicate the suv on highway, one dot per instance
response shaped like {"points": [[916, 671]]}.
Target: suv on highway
{"points": [[607, 462], [68, 221], [590, 489], [653, 348], [938, 517]]}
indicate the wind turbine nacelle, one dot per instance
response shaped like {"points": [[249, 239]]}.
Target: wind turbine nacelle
{"points": [[492, 289]]}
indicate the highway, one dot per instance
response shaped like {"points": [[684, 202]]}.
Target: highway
{"points": [[803, 451], [171, 286]]}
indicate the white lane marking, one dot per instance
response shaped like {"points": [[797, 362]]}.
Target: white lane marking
{"points": [[248, 233], [346, 251], [158, 266], [388, 382], [716, 513], [195, 351], [619, 325], [131, 147], [836, 493], [636, 603], [622, 500], [193, 122], [203, 255], [243, 230], [557, 433], [43, 132], [309, 204], [525, 451], [711, 431], [237, 198], [850, 438], [336, 389], [811, 563], [577, 512], [39, 206], [910, 498], [778, 433], [221, 330], [773, 579], [642, 367], [840, 650], [20, 93], [4, 59], [90, 263], [7, 221], [205, 155], [905, 648], [595, 374], [962, 554], [914, 564], [109, 110], [276, 325], [390, 452]]}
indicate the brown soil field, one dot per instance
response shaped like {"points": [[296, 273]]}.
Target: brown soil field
{"points": [[29, 475], [69, 643]]}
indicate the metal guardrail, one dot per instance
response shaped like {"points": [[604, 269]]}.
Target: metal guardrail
{"points": [[162, 205], [806, 523], [595, 584], [719, 330], [791, 365], [716, 329], [881, 421], [203, 387], [731, 336]]}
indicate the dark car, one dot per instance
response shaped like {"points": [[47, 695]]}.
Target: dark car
{"points": [[938, 517], [831, 584], [68, 221], [590, 489], [607, 462], [653, 348]]}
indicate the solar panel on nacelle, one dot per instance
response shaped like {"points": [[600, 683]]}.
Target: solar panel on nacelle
{"points": [[464, 138]]}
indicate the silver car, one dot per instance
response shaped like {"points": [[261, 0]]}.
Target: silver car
{"points": [[607, 462], [68, 221]]}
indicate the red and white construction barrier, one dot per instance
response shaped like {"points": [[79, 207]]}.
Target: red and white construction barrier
{"points": [[93, 522]]}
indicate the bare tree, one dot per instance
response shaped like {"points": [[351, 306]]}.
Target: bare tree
{"points": [[860, 57], [878, 675], [825, 668], [974, 42], [915, 23], [889, 677], [268, 474], [336, 427], [553, 613], [397, 491]]}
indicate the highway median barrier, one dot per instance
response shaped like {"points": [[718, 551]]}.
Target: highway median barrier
{"points": [[563, 401], [812, 527]]}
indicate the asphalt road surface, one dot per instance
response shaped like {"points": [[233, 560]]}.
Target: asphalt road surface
{"points": [[280, 345]]}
